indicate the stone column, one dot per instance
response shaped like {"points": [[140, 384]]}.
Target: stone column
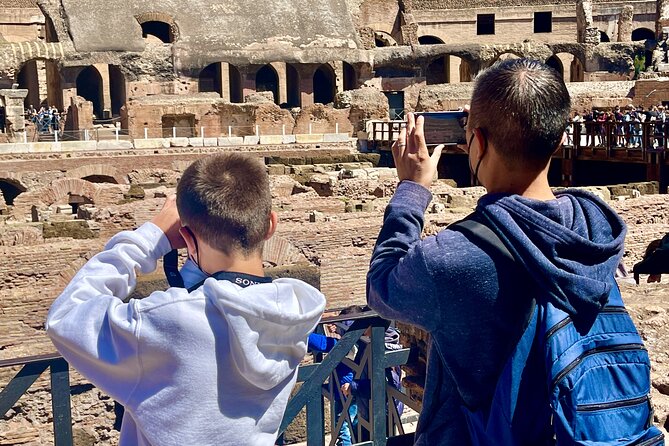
{"points": [[69, 85], [586, 30], [248, 75], [662, 16], [338, 67], [280, 68], [225, 81], [306, 72], [103, 69], [15, 124], [625, 24]]}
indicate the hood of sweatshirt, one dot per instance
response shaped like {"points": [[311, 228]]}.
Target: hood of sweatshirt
{"points": [[268, 326], [570, 246]]}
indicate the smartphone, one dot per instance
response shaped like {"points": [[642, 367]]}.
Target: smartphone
{"points": [[446, 127]]}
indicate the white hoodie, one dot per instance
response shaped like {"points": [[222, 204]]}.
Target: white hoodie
{"points": [[212, 367]]}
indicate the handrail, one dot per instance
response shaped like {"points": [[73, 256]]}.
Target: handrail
{"points": [[311, 394]]}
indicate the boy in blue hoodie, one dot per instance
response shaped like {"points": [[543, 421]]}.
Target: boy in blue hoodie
{"points": [[475, 308]]}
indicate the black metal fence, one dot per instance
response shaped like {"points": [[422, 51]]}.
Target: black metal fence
{"points": [[318, 384]]}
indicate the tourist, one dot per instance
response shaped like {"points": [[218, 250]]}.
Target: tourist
{"points": [[210, 365], [655, 261], [474, 302]]}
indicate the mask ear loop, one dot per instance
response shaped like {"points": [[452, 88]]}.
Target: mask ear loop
{"points": [[475, 172], [197, 249]]}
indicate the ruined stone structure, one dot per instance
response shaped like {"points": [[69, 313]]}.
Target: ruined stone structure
{"points": [[130, 60]]}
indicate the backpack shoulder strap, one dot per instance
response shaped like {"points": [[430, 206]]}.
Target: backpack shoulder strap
{"points": [[171, 268], [484, 235]]}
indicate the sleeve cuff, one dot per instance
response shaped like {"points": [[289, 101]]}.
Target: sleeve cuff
{"points": [[410, 192]]}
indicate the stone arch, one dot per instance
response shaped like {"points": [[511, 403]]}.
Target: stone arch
{"points": [[209, 79], [555, 63], [382, 39], [642, 34], [11, 188], [267, 79], [58, 191], [324, 84], [430, 40], [97, 173], [603, 37], [27, 78], [89, 87], [117, 89], [293, 96], [508, 55], [159, 25], [235, 84], [278, 251]]}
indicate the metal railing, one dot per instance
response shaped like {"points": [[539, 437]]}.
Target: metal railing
{"points": [[583, 138], [319, 382]]}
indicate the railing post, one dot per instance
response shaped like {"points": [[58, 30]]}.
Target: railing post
{"points": [[229, 131], [174, 132], [55, 136], [257, 130], [25, 137], [60, 403], [202, 132], [336, 127], [116, 131], [283, 130], [377, 374], [146, 133], [315, 420], [310, 127]]}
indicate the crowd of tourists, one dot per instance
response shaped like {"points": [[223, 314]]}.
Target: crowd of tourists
{"points": [[529, 340], [620, 127], [46, 120]]}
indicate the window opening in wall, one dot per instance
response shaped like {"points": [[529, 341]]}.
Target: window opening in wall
{"points": [[543, 22], [485, 24], [10, 191], [161, 30]]}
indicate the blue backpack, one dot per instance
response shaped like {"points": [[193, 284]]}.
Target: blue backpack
{"points": [[561, 387]]}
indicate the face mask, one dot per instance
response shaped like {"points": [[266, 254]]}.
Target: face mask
{"points": [[192, 274]]}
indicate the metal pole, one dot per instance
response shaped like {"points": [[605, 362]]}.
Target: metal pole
{"points": [[55, 136], [174, 132], [146, 133], [202, 132], [257, 130], [283, 130], [310, 127], [229, 131], [116, 131], [336, 127]]}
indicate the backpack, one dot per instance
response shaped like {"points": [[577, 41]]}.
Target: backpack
{"points": [[559, 386]]}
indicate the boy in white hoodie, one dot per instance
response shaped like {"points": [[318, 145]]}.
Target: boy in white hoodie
{"points": [[211, 365]]}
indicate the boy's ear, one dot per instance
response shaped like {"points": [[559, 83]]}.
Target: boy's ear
{"points": [[273, 221], [190, 241]]}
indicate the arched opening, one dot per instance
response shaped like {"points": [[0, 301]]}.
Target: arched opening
{"points": [[437, 71], [28, 79], [324, 85], [100, 179], [577, 72], [430, 40], [268, 80], [382, 39], [642, 34], [160, 30], [89, 87], [350, 77], [293, 86], [603, 37], [77, 200], [235, 84], [10, 190], [555, 63], [116, 89], [209, 79]]}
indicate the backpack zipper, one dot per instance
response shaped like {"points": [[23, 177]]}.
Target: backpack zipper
{"points": [[612, 404], [610, 348], [655, 441], [566, 321]]}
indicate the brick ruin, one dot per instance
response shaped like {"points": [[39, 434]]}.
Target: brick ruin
{"points": [[330, 203]]}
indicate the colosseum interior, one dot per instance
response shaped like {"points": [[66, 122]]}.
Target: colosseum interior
{"points": [[144, 88]]}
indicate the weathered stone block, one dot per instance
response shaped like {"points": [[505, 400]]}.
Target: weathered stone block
{"points": [[14, 148], [195, 142], [271, 139], [44, 147], [179, 142], [210, 142], [78, 146], [152, 143], [335, 137], [230, 141], [114, 145], [251, 140], [276, 169], [288, 139], [309, 139]]}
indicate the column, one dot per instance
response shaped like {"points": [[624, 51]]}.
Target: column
{"points": [[14, 121], [106, 92]]}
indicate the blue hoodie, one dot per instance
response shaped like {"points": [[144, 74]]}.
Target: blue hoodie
{"points": [[473, 303]]}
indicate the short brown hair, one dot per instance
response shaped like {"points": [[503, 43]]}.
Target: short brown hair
{"points": [[225, 199]]}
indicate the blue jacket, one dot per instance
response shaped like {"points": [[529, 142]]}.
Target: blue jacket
{"points": [[474, 304]]}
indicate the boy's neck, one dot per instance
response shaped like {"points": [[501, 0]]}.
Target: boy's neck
{"points": [[252, 265]]}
